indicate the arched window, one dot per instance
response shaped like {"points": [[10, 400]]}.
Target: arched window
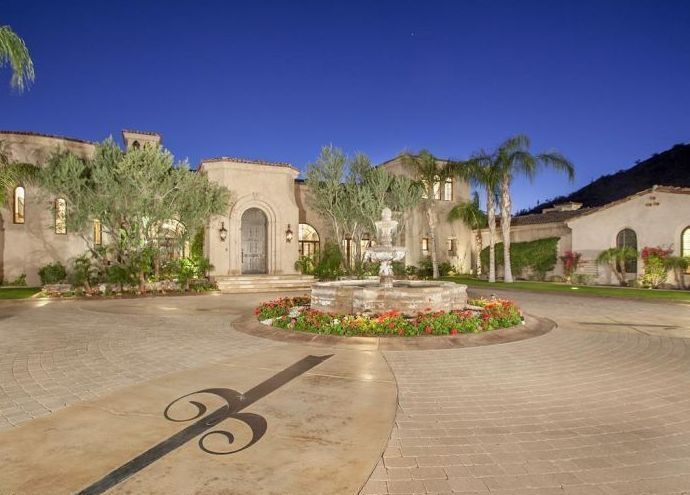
{"points": [[628, 238], [19, 205], [60, 216], [171, 244], [97, 233], [309, 241]]}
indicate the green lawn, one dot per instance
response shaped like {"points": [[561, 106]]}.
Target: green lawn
{"points": [[18, 292], [582, 290]]}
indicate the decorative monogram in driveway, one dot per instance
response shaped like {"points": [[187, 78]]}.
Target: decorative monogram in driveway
{"points": [[235, 403]]}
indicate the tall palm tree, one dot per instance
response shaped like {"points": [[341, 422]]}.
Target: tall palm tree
{"points": [[430, 173], [471, 214], [14, 51], [513, 158], [481, 172]]}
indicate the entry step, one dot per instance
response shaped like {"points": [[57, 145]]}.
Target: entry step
{"points": [[233, 284]]}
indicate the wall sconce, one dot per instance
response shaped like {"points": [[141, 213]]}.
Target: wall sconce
{"points": [[222, 232], [288, 234]]}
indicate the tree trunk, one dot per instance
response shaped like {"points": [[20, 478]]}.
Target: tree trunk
{"points": [[505, 229], [478, 252], [431, 217], [491, 218]]}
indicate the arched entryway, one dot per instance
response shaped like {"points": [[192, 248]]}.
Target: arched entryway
{"points": [[254, 241]]}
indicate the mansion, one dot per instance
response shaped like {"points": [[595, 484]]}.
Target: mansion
{"points": [[270, 223], [268, 226]]}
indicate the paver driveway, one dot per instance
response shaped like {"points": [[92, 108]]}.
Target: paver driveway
{"points": [[601, 405]]}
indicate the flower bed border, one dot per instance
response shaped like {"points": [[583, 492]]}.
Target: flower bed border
{"points": [[533, 327]]}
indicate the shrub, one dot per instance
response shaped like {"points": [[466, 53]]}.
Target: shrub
{"points": [[83, 273], [189, 268], [617, 259], [679, 266], [20, 281], [426, 269], [305, 265], [539, 256], [412, 271], [399, 269], [329, 266], [582, 279], [52, 273], [570, 262], [444, 269], [655, 267], [120, 275]]}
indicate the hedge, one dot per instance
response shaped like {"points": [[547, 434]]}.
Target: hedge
{"points": [[539, 256]]}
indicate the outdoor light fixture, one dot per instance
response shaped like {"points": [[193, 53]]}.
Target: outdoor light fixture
{"points": [[288, 234], [223, 232]]}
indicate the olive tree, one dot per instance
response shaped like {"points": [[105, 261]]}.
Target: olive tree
{"points": [[137, 197], [350, 193]]}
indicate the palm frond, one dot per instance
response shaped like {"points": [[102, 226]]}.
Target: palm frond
{"points": [[13, 50], [558, 162]]}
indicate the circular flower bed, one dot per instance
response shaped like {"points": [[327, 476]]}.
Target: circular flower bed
{"points": [[484, 314]]}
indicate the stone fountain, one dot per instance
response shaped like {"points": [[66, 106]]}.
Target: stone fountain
{"points": [[376, 296]]}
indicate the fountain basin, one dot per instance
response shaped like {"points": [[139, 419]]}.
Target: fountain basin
{"points": [[409, 297]]}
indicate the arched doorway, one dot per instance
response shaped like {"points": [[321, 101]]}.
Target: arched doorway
{"points": [[254, 245]]}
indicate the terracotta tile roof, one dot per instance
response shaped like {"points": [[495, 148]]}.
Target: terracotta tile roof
{"points": [[147, 133], [246, 160], [548, 217], [52, 136]]}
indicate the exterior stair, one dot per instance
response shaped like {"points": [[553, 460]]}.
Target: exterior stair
{"points": [[233, 284]]}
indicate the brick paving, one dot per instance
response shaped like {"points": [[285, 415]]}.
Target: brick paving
{"points": [[587, 409], [60, 353], [601, 405]]}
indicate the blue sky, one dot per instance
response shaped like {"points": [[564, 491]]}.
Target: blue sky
{"points": [[605, 82]]}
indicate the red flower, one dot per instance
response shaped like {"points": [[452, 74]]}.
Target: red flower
{"points": [[428, 330], [454, 331]]}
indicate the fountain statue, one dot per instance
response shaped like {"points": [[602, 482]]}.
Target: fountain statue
{"points": [[385, 293], [384, 252]]}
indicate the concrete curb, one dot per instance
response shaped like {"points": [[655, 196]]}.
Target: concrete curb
{"points": [[534, 327]]}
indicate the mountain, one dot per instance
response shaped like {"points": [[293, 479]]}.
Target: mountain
{"points": [[670, 168]]}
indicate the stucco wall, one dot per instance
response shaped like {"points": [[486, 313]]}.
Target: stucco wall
{"points": [[24, 248], [253, 185], [658, 218], [309, 216]]}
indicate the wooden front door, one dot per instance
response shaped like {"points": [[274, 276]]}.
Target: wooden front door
{"points": [[254, 244]]}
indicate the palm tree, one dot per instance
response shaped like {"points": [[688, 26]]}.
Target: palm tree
{"points": [[471, 214], [481, 172], [14, 51], [513, 158], [617, 259], [429, 173]]}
